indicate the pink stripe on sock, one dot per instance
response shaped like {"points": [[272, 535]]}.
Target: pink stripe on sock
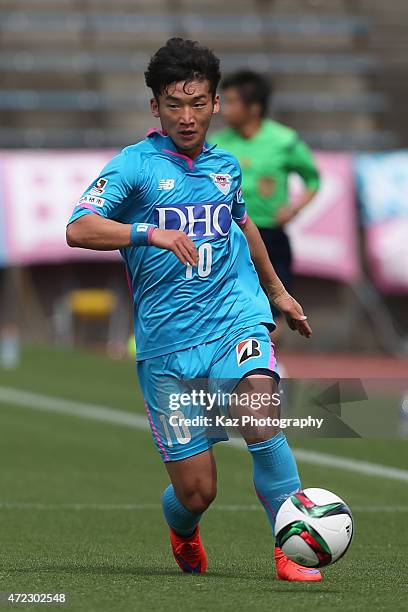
{"points": [[156, 433], [265, 503]]}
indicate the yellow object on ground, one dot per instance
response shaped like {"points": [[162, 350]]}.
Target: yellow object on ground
{"points": [[92, 303]]}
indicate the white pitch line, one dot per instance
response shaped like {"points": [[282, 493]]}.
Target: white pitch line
{"points": [[46, 403], [27, 399], [74, 506]]}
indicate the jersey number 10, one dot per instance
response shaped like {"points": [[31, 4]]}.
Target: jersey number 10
{"points": [[204, 262]]}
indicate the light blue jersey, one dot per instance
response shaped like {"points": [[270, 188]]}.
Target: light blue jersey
{"points": [[177, 306]]}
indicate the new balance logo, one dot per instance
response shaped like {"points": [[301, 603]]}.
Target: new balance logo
{"points": [[166, 184]]}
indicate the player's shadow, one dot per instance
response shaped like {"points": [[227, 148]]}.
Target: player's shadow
{"points": [[100, 570], [147, 571], [270, 582]]}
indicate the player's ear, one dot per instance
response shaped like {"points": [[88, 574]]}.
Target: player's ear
{"points": [[154, 107], [216, 104]]}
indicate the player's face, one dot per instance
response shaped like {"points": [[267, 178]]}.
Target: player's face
{"points": [[235, 112], [185, 111]]}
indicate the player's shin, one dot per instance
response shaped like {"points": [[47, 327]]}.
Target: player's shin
{"points": [[275, 473], [181, 520]]}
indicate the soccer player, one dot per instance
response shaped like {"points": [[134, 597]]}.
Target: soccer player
{"points": [[173, 206], [267, 152]]}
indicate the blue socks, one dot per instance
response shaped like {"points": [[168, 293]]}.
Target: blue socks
{"points": [[177, 516], [275, 473], [275, 479]]}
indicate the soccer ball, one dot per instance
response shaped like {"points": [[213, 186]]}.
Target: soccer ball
{"points": [[314, 527]]}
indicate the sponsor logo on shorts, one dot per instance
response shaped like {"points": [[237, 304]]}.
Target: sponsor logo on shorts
{"points": [[248, 349], [99, 187]]}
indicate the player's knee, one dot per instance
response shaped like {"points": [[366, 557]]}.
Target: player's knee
{"points": [[198, 504], [199, 500], [257, 435]]}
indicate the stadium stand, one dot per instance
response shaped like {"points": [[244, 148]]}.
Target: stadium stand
{"points": [[71, 72]]}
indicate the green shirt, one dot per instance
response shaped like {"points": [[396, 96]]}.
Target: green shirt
{"points": [[267, 159]]}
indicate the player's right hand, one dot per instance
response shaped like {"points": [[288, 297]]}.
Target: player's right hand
{"points": [[176, 242]]}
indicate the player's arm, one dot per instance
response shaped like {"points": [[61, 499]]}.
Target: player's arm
{"points": [[302, 163], [99, 220], [273, 286], [93, 231]]}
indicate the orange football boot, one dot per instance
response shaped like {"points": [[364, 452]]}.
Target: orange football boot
{"points": [[289, 570], [189, 552]]}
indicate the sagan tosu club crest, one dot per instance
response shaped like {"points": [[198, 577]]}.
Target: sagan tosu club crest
{"points": [[222, 181]]}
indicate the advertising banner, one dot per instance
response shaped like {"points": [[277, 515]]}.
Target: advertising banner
{"points": [[324, 234], [382, 180], [39, 190]]}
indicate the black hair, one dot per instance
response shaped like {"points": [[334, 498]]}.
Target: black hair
{"points": [[182, 60], [252, 88]]}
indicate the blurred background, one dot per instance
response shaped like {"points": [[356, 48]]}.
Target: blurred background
{"points": [[72, 93]]}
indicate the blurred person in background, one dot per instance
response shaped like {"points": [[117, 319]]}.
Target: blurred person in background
{"points": [[268, 153]]}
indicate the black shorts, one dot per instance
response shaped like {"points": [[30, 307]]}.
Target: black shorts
{"points": [[279, 251]]}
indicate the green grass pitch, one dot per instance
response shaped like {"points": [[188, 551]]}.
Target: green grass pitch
{"points": [[79, 510]]}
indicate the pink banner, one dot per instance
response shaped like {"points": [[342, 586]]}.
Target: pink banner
{"points": [[324, 234], [41, 189]]}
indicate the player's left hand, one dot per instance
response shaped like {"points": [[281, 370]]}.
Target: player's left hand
{"points": [[294, 314]]}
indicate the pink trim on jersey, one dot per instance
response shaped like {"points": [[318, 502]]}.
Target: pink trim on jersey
{"points": [[266, 503], [187, 159], [243, 220], [156, 433], [149, 234], [129, 282], [272, 358], [154, 130], [89, 207]]}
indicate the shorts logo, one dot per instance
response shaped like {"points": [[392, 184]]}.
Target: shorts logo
{"points": [[99, 187], [248, 349], [166, 184], [222, 181]]}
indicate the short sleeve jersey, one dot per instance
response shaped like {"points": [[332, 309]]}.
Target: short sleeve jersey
{"points": [[177, 306]]}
